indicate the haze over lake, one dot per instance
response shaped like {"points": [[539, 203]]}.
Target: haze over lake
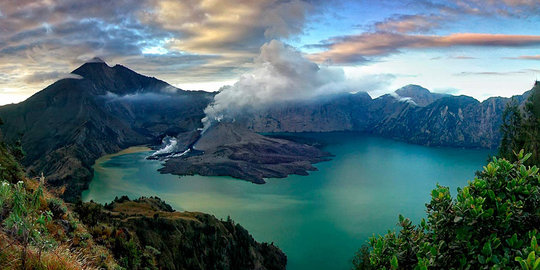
{"points": [[319, 220]]}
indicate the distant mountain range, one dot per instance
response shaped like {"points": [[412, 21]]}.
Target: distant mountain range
{"points": [[411, 114], [65, 127]]}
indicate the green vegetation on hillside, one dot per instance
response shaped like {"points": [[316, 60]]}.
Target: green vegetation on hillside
{"points": [[37, 231], [521, 128], [10, 170], [493, 222], [147, 233]]}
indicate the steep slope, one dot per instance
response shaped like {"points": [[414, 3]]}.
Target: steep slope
{"points": [[324, 114], [411, 114], [40, 231], [37, 231], [184, 240], [68, 125]]}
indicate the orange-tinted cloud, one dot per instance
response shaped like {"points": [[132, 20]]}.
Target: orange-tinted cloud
{"points": [[358, 48], [195, 40], [526, 57], [409, 23]]}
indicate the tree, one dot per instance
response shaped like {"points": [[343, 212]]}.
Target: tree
{"points": [[493, 223], [510, 130], [521, 128]]}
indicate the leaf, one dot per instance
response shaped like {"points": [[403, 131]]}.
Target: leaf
{"points": [[486, 250], [527, 156], [530, 258], [522, 263], [394, 262], [536, 264]]}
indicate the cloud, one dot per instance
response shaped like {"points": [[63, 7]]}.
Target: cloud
{"points": [[462, 57], [491, 8], [282, 74], [49, 76], [525, 57], [495, 73], [237, 26], [409, 31], [409, 23], [197, 40], [357, 48]]}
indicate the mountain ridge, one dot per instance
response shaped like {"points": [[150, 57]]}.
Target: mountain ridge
{"points": [[69, 124], [72, 122]]}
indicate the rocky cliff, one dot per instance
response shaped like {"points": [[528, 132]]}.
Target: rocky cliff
{"points": [[410, 114]]}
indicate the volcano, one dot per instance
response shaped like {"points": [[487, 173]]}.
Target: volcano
{"points": [[228, 149]]}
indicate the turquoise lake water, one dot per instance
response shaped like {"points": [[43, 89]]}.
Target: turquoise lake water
{"points": [[319, 220]]}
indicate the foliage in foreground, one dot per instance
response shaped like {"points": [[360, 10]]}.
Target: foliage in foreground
{"points": [[492, 224], [37, 231], [521, 128]]}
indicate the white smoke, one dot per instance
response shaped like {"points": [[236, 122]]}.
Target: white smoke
{"points": [[281, 73], [169, 146], [402, 99]]}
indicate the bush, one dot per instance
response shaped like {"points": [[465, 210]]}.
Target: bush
{"points": [[57, 207], [492, 223], [23, 218]]}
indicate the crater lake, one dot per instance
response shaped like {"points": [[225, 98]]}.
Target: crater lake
{"points": [[319, 220]]}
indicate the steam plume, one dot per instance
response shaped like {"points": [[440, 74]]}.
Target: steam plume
{"points": [[281, 74]]}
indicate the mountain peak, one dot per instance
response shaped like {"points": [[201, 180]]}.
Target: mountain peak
{"points": [[92, 68], [412, 89], [420, 95], [96, 60]]}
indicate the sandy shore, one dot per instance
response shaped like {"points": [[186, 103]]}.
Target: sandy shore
{"points": [[130, 150]]}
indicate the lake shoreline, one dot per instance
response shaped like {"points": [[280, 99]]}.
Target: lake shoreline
{"points": [[318, 220], [130, 150]]}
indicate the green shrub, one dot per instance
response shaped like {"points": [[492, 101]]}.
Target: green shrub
{"points": [[10, 170], [493, 223], [57, 207], [22, 217]]}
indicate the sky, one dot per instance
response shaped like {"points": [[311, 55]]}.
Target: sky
{"points": [[480, 48]]}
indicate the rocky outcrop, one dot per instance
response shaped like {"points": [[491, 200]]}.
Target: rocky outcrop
{"points": [[228, 149], [134, 230]]}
